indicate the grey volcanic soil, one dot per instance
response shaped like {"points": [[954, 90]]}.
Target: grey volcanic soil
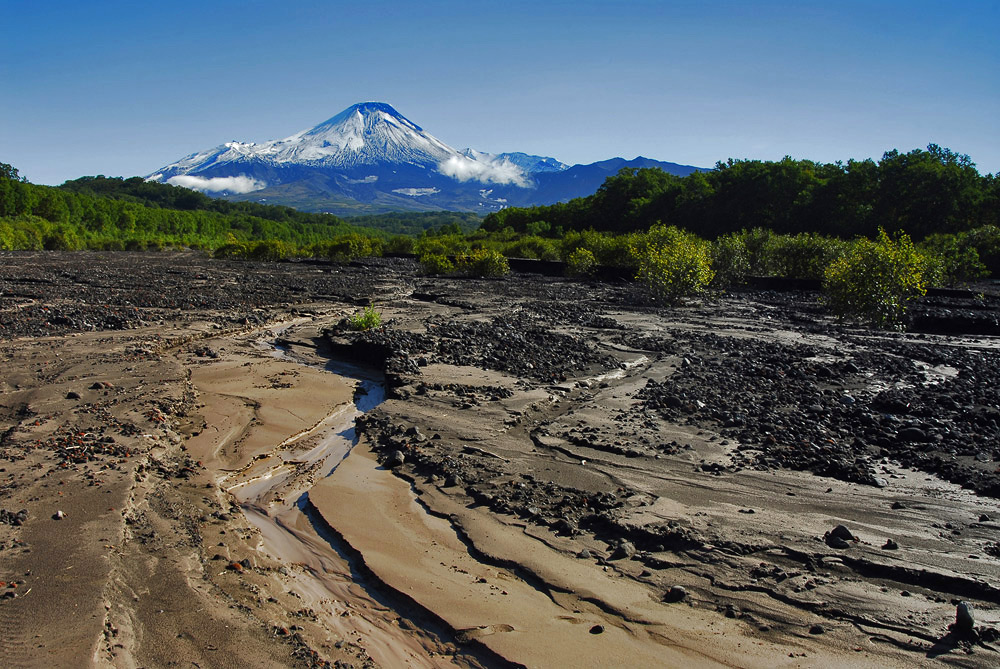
{"points": [[713, 447]]}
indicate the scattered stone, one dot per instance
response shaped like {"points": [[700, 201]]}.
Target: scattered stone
{"points": [[676, 593], [890, 545], [839, 537], [11, 518], [395, 459], [72, 395], [965, 623], [842, 532], [817, 629], [624, 549], [836, 542], [912, 434], [58, 515]]}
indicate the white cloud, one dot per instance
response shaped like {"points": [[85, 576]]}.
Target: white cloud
{"points": [[463, 168], [240, 184], [415, 192]]}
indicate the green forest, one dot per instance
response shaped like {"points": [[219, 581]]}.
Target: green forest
{"points": [[129, 214], [922, 192]]}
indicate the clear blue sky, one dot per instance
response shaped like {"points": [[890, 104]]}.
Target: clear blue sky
{"points": [[122, 88]]}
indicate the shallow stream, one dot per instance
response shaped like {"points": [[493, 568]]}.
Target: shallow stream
{"points": [[318, 569]]}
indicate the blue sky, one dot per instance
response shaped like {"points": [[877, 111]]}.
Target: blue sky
{"points": [[122, 88]]}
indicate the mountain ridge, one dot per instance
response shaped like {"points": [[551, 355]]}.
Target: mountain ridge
{"points": [[369, 158]]}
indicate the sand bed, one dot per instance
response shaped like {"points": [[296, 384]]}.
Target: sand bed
{"points": [[554, 459]]}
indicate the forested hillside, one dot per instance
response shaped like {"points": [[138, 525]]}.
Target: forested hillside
{"points": [[100, 212], [922, 192]]}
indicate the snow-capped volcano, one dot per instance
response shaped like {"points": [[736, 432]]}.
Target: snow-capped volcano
{"points": [[366, 135], [368, 157]]}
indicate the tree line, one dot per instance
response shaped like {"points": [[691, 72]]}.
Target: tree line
{"points": [[922, 192], [116, 214]]}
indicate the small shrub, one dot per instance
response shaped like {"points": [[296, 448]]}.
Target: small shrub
{"points": [[270, 250], [730, 261], [805, 255], [672, 264], [760, 244], [444, 244], [483, 263], [399, 244], [986, 241], [952, 259], [436, 263], [581, 262], [366, 319], [875, 280], [607, 249], [232, 249], [531, 246], [348, 247]]}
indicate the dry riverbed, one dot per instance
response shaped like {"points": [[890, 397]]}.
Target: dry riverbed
{"points": [[201, 466]]}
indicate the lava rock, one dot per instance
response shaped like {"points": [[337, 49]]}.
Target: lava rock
{"points": [[965, 623], [842, 532], [912, 434], [624, 549], [676, 593]]}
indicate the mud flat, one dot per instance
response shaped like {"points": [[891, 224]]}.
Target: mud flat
{"points": [[197, 466]]}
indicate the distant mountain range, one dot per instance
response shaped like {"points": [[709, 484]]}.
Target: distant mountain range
{"points": [[369, 158]]}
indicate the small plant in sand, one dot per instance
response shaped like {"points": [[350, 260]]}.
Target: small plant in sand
{"points": [[875, 280], [366, 319]]}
